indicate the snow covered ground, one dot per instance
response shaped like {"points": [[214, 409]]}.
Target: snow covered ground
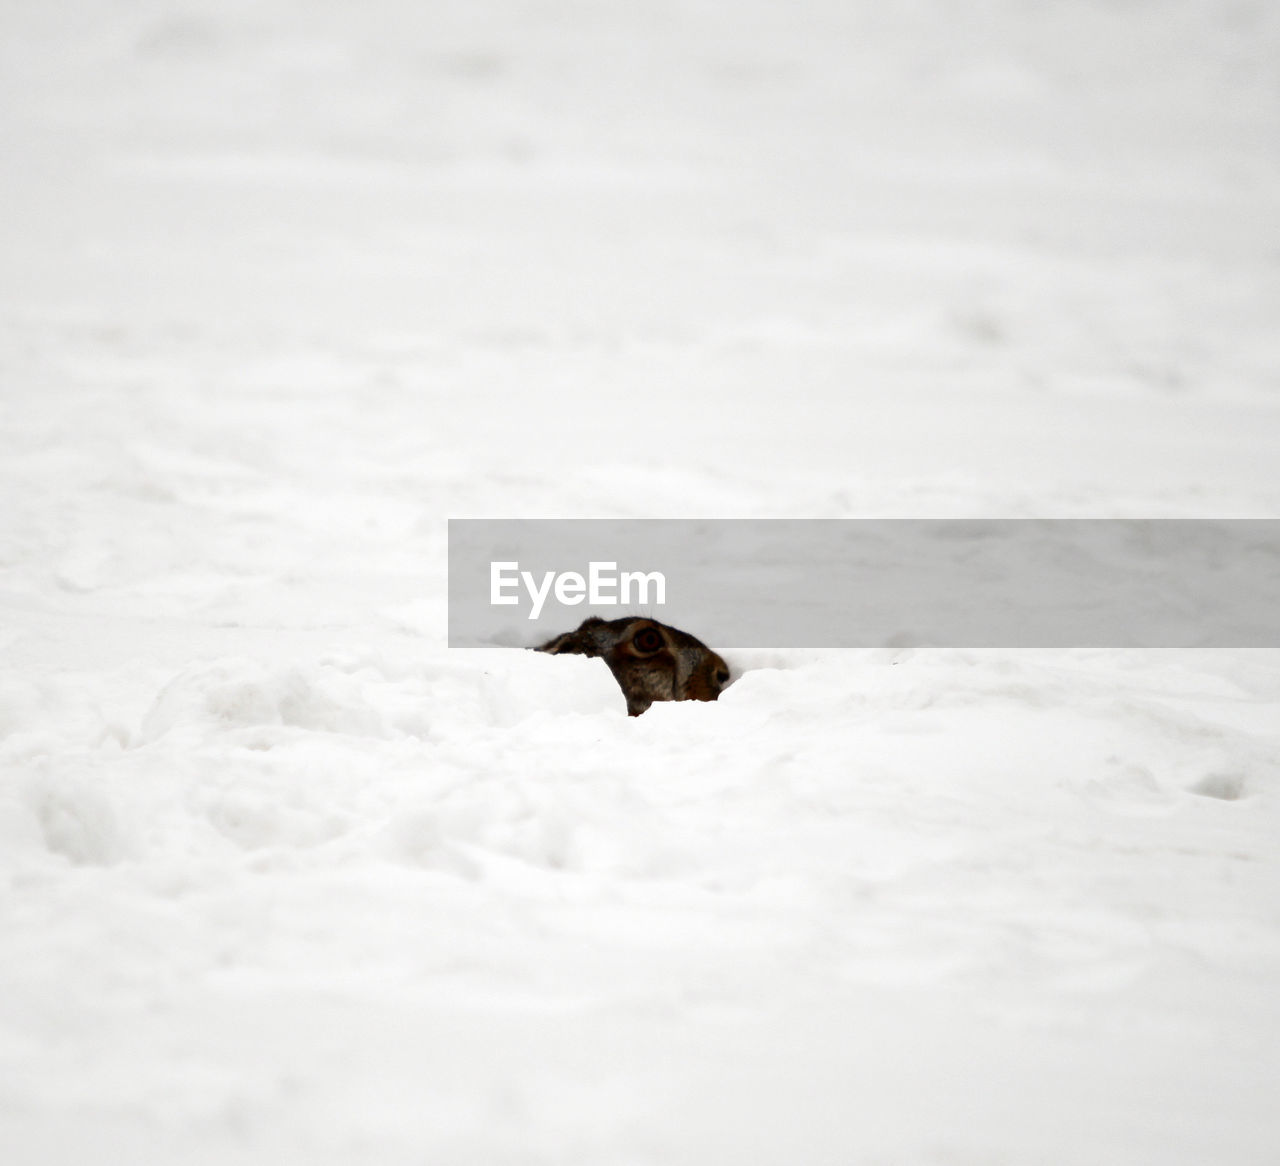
{"points": [[285, 285]]}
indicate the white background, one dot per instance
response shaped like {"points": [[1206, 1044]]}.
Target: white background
{"points": [[285, 285]]}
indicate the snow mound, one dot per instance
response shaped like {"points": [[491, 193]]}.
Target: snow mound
{"points": [[235, 695], [77, 819]]}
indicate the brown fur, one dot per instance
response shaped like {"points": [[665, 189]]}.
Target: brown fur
{"points": [[649, 660]]}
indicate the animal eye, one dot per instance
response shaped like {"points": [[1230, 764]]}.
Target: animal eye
{"points": [[647, 640]]}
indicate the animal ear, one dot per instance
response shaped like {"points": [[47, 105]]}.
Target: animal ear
{"points": [[580, 642]]}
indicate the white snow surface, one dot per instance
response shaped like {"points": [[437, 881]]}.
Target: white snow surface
{"points": [[285, 285]]}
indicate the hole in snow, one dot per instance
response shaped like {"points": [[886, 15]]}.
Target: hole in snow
{"points": [[1229, 787]]}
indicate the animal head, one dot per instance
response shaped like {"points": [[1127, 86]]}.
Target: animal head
{"points": [[649, 660]]}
